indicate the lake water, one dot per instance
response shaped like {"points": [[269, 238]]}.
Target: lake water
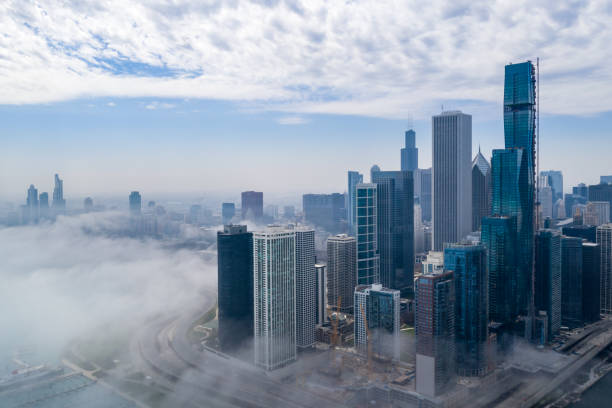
{"points": [[599, 395]]}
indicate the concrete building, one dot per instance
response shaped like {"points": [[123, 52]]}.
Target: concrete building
{"points": [[604, 239], [366, 226], [321, 294], [274, 297], [305, 287], [597, 213], [452, 178], [341, 272]]}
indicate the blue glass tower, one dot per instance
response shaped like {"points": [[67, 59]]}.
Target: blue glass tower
{"points": [[354, 178], [548, 278], [410, 153]]}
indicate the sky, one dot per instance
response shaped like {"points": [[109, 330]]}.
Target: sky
{"points": [[283, 96]]}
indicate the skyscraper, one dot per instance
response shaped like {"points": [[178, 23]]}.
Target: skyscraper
{"points": [[274, 297], [395, 221], [59, 204], [452, 181], [548, 278], [601, 192], [324, 211], [321, 293], [546, 203], [588, 232], [32, 207], [469, 265], [571, 201], [481, 190], [88, 204], [581, 190], [135, 203], [228, 212], [604, 239], [366, 226], [597, 213], [305, 287], [235, 287], [554, 179], [43, 204], [354, 178], [252, 205], [591, 281], [410, 153], [605, 179], [341, 271], [381, 309], [571, 282], [425, 195], [435, 332]]}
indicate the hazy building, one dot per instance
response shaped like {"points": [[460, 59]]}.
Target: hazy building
{"points": [[469, 265], [588, 232], [324, 210], [252, 205], [381, 309], [548, 278], [581, 190], [481, 190], [571, 201], [135, 203], [321, 293], [31, 210], [341, 272], [452, 181], [43, 205], [228, 212], [604, 239], [274, 297], [597, 213], [366, 227], [289, 212], [591, 281], [554, 179], [571, 282], [425, 193], [435, 331], [410, 153], [59, 204], [354, 178], [605, 179], [601, 192], [88, 204], [305, 287], [235, 287], [546, 203]]}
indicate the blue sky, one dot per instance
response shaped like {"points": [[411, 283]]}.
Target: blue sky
{"points": [[282, 96]]}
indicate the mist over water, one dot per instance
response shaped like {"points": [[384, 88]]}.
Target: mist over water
{"points": [[65, 279]]}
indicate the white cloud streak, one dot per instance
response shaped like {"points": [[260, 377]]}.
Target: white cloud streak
{"points": [[374, 58]]}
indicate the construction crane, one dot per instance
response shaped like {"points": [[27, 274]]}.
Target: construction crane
{"points": [[368, 340]]}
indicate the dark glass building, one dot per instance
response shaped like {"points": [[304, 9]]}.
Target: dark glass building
{"points": [[395, 207], [591, 280], [601, 192], [588, 232], [481, 190], [571, 282], [135, 203], [325, 211], [469, 265], [581, 190], [425, 196], [410, 153], [548, 278], [252, 205], [235, 287]]}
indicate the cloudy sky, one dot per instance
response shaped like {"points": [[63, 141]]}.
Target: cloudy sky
{"points": [[178, 96]]}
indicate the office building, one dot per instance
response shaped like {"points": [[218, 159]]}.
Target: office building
{"points": [[559, 209], [31, 209], [341, 272], [410, 153], [605, 179], [601, 192], [135, 203], [321, 294], [571, 202], [88, 204], [324, 211], [433, 263], [425, 193], [597, 213], [43, 205], [252, 205], [419, 231], [366, 227], [435, 332], [591, 281], [274, 297], [235, 287], [498, 237], [554, 179], [588, 232], [546, 203], [228, 212], [379, 309], [581, 190], [548, 278], [354, 178], [571, 282], [395, 226], [59, 204], [305, 287], [452, 181], [469, 265], [604, 239], [481, 190]]}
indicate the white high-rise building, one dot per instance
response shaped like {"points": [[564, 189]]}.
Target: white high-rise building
{"points": [[452, 177], [274, 273], [305, 287], [546, 203], [321, 309], [604, 239]]}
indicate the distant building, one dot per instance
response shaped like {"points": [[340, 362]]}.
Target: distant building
{"points": [[434, 263], [341, 272], [481, 190], [321, 293], [252, 205], [425, 193], [546, 203], [228, 212], [31, 210], [597, 213], [548, 278], [235, 287], [195, 215], [43, 205], [601, 192], [410, 153], [571, 201], [274, 297], [588, 232], [324, 210], [305, 287], [605, 179], [381, 309], [435, 332], [554, 179], [469, 265], [135, 203], [452, 181], [289, 212], [354, 178], [88, 204], [591, 281], [59, 204], [581, 190], [571, 282], [604, 239], [366, 226]]}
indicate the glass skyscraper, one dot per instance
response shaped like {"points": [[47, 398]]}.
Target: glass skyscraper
{"points": [[410, 153], [354, 178], [571, 282], [368, 261], [548, 278]]}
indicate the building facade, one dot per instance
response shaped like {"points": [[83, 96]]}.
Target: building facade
{"points": [[548, 278], [554, 179], [571, 282], [354, 178], [228, 212], [368, 261], [305, 287], [597, 213], [410, 153], [252, 205], [341, 272], [325, 211], [601, 192], [481, 190], [135, 203], [604, 239], [591, 274], [321, 293]]}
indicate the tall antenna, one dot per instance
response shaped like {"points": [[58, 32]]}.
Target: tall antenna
{"points": [[410, 121]]}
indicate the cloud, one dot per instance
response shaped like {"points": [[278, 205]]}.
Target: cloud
{"points": [[373, 59], [292, 120], [111, 104], [159, 105]]}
